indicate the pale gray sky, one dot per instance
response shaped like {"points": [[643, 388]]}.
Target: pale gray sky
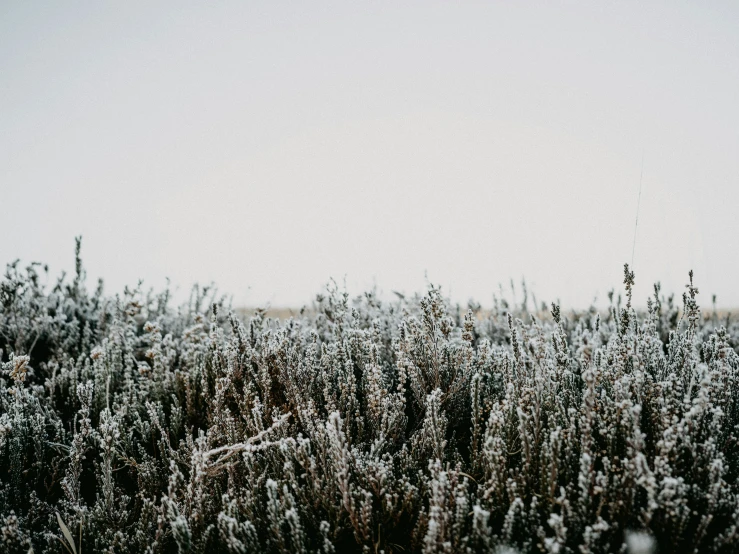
{"points": [[269, 146]]}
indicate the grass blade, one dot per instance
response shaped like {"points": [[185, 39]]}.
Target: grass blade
{"points": [[67, 534]]}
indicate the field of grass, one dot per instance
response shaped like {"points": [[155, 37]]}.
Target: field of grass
{"points": [[129, 425]]}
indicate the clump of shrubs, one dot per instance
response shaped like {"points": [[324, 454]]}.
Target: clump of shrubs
{"points": [[128, 425]]}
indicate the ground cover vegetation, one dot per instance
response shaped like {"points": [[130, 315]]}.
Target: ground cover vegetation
{"points": [[129, 425]]}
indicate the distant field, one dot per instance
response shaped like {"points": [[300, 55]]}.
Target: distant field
{"points": [[719, 317]]}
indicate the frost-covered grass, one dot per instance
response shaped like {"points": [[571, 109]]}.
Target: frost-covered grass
{"points": [[360, 425]]}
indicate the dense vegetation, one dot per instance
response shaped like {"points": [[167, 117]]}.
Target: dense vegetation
{"points": [[128, 425]]}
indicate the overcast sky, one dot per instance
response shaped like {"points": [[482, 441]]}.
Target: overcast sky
{"points": [[270, 146]]}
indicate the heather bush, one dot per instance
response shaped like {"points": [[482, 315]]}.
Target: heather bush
{"points": [[129, 425]]}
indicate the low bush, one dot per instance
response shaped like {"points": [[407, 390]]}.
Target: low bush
{"points": [[129, 425]]}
